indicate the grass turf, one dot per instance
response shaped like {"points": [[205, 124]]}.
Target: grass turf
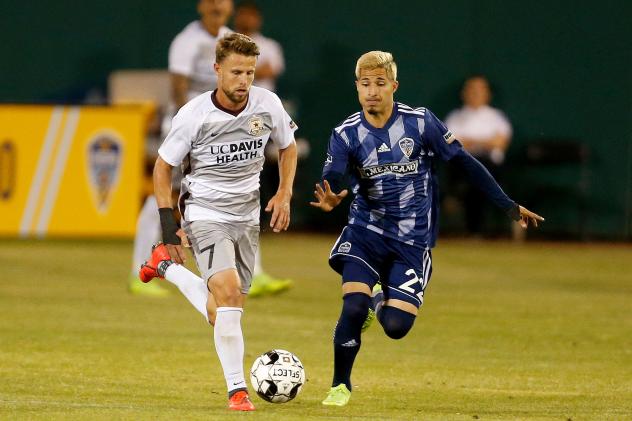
{"points": [[508, 331]]}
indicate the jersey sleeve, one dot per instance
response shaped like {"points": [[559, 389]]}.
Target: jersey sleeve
{"points": [[438, 138], [178, 142], [336, 162], [283, 127], [181, 56], [483, 180]]}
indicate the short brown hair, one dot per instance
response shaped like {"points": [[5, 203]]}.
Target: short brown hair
{"points": [[235, 43]]}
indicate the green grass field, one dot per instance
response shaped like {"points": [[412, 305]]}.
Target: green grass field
{"points": [[508, 331]]}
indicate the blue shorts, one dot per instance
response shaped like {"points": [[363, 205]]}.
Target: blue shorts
{"points": [[403, 270]]}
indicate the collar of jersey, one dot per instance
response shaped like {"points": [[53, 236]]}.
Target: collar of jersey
{"points": [[226, 110], [388, 124]]}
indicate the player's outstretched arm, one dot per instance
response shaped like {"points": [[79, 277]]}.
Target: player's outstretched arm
{"points": [[526, 217], [483, 180], [327, 199]]}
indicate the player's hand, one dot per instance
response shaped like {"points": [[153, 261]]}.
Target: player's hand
{"points": [[183, 238], [327, 199], [176, 251], [526, 217], [279, 205]]}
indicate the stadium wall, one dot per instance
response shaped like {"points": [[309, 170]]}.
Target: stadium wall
{"points": [[560, 70]]}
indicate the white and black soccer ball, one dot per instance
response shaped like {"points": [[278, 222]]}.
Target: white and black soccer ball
{"points": [[277, 376]]}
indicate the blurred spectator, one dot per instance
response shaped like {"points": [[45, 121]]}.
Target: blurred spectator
{"points": [[192, 52], [485, 132], [270, 64]]}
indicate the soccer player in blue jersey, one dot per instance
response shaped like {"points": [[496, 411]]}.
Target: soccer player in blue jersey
{"points": [[387, 151]]}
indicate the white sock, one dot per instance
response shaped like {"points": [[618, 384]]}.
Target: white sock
{"points": [[147, 233], [192, 286], [229, 344], [258, 269]]}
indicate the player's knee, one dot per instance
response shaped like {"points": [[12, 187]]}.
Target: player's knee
{"points": [[396, 322], [356, 305]]}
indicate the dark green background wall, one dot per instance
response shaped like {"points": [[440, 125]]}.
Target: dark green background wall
{"points": [[559, 69]]}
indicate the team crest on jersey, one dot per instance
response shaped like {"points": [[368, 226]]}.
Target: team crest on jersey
{"points": [[105, 151], [406, 145], [255, 125], [344, 247]]}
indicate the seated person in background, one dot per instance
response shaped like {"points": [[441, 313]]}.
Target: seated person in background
{"points": [[485, 132]]}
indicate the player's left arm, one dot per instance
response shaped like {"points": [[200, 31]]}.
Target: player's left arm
{"points": [[443, 142], [279, 205], [485, 182], [282, 135]]}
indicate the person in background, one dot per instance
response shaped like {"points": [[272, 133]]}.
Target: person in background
{"points": [[485, 132], [271, 64], [191, 55]]}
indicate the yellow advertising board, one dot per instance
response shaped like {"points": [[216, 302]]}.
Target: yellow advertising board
{"points": [[70, 171]]}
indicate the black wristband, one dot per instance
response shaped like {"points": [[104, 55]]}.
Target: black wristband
{"points": [[169, 226], [514, 212]]}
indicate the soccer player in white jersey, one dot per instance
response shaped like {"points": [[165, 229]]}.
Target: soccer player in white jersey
{"points": [[219, 138], [191, 55], [387, 150]]}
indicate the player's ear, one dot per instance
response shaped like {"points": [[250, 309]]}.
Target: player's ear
{"points": [[216, 67], [357, 83], [395, 85]]}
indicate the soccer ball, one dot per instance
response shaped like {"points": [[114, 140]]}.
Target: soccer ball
{"points": [[277, 376]]}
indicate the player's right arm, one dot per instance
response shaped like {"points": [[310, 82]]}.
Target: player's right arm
{"points": [[162, 191], [334, 171], [171, 153]]}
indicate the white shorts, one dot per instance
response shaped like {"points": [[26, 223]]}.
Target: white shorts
{"points": [[221, 246]]}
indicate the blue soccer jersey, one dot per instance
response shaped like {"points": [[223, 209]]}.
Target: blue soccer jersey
{"points": [[391, 172]]}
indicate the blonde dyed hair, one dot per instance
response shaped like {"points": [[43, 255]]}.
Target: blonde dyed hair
{"points": [[377, 60]]}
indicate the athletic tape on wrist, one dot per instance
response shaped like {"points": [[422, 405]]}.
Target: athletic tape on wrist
{"points": [[169, 226]]}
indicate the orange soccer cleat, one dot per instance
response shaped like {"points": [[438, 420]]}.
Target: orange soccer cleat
{"points": [[240, 401], [156, 265]]}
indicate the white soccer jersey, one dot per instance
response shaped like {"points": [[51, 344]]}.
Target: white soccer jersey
{"points": [[192, 54], [222, 154]]}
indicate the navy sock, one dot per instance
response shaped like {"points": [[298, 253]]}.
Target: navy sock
{"points": [[396, 322], [355, 308]]}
